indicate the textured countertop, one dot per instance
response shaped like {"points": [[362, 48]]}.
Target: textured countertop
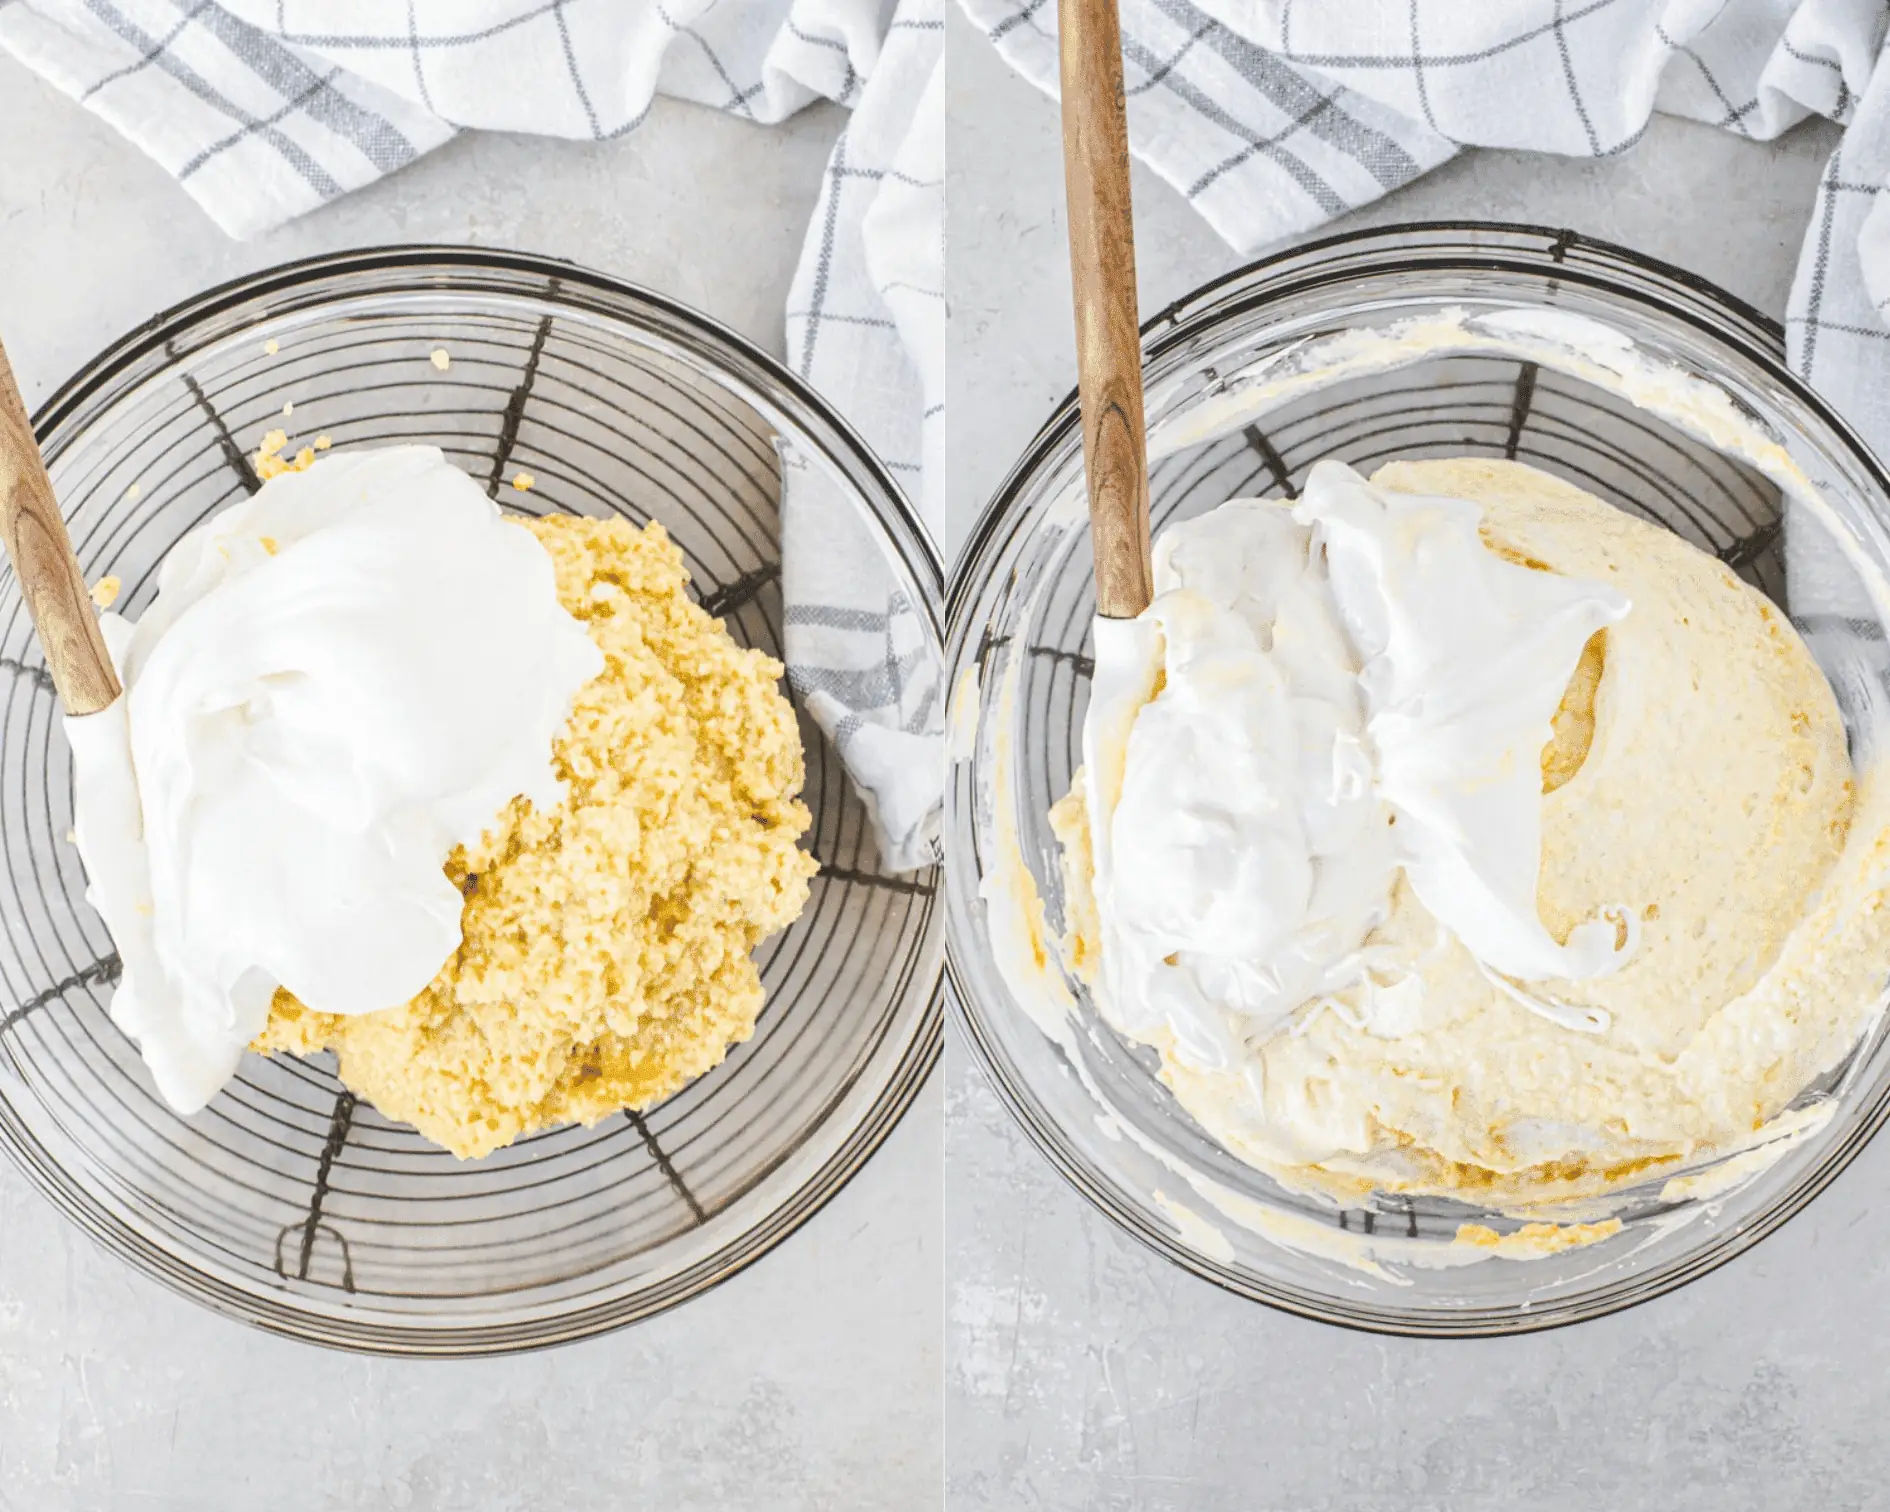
{"points": [[809, 1382], [1084, 1372]]}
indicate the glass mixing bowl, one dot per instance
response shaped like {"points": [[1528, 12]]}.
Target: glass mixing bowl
{"points": [[287, 1202], [1249, 382]]}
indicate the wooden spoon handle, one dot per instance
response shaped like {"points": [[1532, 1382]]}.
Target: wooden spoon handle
{"points": [[1102, 268], [41, 552]]}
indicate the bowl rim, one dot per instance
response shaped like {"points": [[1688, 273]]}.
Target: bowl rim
{"points": [[1269, 275], [454, 264], [152, 334], [1162, 330]]}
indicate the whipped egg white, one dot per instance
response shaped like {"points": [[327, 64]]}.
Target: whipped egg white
{"points": [[1325, 695], [340, 680]]}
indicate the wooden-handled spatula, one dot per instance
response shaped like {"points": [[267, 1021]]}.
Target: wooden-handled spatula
{"points": [[41, 552], [1102, 267]]}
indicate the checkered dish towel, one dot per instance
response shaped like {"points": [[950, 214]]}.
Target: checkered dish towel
{"points": [[266, 109]]}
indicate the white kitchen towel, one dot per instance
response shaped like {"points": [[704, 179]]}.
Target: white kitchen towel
{"points": [[866, 326], [1274, 116], [266, 109]]}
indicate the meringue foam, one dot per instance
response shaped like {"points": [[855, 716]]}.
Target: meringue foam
{"points": [[1322, 696], [339, 681]]}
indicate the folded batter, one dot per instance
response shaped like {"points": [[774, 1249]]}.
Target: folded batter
{"points": [[1465, 834]]}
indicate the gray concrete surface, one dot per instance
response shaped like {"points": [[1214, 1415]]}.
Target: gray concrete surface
{"points": [[1083, 1372], [810, 1383]]}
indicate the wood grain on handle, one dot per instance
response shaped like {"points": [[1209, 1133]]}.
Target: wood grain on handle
{"points": [[41, 552], [1102, 267]]}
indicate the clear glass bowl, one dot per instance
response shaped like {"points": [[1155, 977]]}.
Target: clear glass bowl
{"points": [[287, 1202], [1019, 617]]}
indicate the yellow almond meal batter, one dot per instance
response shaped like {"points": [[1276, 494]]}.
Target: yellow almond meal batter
{"points": [[606, 954], [1698, 774]]}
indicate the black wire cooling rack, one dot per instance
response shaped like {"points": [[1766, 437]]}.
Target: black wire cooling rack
{"points": [[288, 1202]]}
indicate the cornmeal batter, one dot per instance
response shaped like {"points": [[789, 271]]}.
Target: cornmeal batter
{"points": [[1695, 794], [606, 952]]}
